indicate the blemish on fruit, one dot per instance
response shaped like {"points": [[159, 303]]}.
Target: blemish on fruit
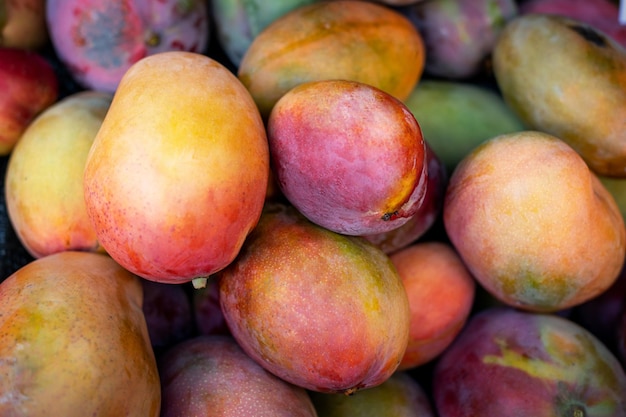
{"points": [[389, 216], [589, 34]]}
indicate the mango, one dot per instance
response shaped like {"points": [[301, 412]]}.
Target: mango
{"points": [[74, 340], [566, 78], [44, 177], [212, 376], [348, 156], [321, 310], [351, 40], [534, 225], [539, 365], [457, 116], [177, 175]]}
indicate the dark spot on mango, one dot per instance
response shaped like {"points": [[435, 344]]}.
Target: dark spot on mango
{"points": [[389, 216], [589, 34]]}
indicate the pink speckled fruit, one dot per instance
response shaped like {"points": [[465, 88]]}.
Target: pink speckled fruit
{"points": [[349, 156], [324, 311], [98, 41]]}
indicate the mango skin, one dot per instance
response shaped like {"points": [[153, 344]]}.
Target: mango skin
{"points": [[177, 176], [539, 365], [399, 396], [457, 116], [44, 176], [212, 376], [321, 310], [29, 85], [533, 223], [350, 40], [99, 41], [441, 296], [427, 214], [74, 341], [330, 139], [565, 78], [459, 35]]}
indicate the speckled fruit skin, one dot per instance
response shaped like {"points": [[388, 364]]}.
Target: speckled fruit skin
{"points": [[211, 375], [349, 156], [351, 40], [512, 363], [321, 310], [177, 176], [533, 64], [98, 41], [29, 85], [441, 295], [44, 176], [533, 223], [74, 342]]}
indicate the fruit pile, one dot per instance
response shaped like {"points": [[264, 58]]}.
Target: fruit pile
{"points": [[312, 208]]}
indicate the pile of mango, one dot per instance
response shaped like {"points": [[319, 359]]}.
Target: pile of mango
{"points": [[312, 208]]}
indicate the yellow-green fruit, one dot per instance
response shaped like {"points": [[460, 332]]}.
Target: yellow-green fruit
{"points": [[44, 177], [74, 341], [350, 40], [566, 78], [455, 117], [399, 396]]}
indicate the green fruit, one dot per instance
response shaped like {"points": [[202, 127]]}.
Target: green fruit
{"points": [[238, 22], [324, 311], [455, 117], [617, 188], [399, 396]]}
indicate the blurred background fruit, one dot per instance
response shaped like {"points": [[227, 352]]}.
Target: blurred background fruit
{"points": [[459, 34], [44, 178], [29, 85], [23, 24], [99, 41]]}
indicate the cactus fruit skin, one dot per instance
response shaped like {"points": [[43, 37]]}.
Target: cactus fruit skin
{"points": [[99, 41]]}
